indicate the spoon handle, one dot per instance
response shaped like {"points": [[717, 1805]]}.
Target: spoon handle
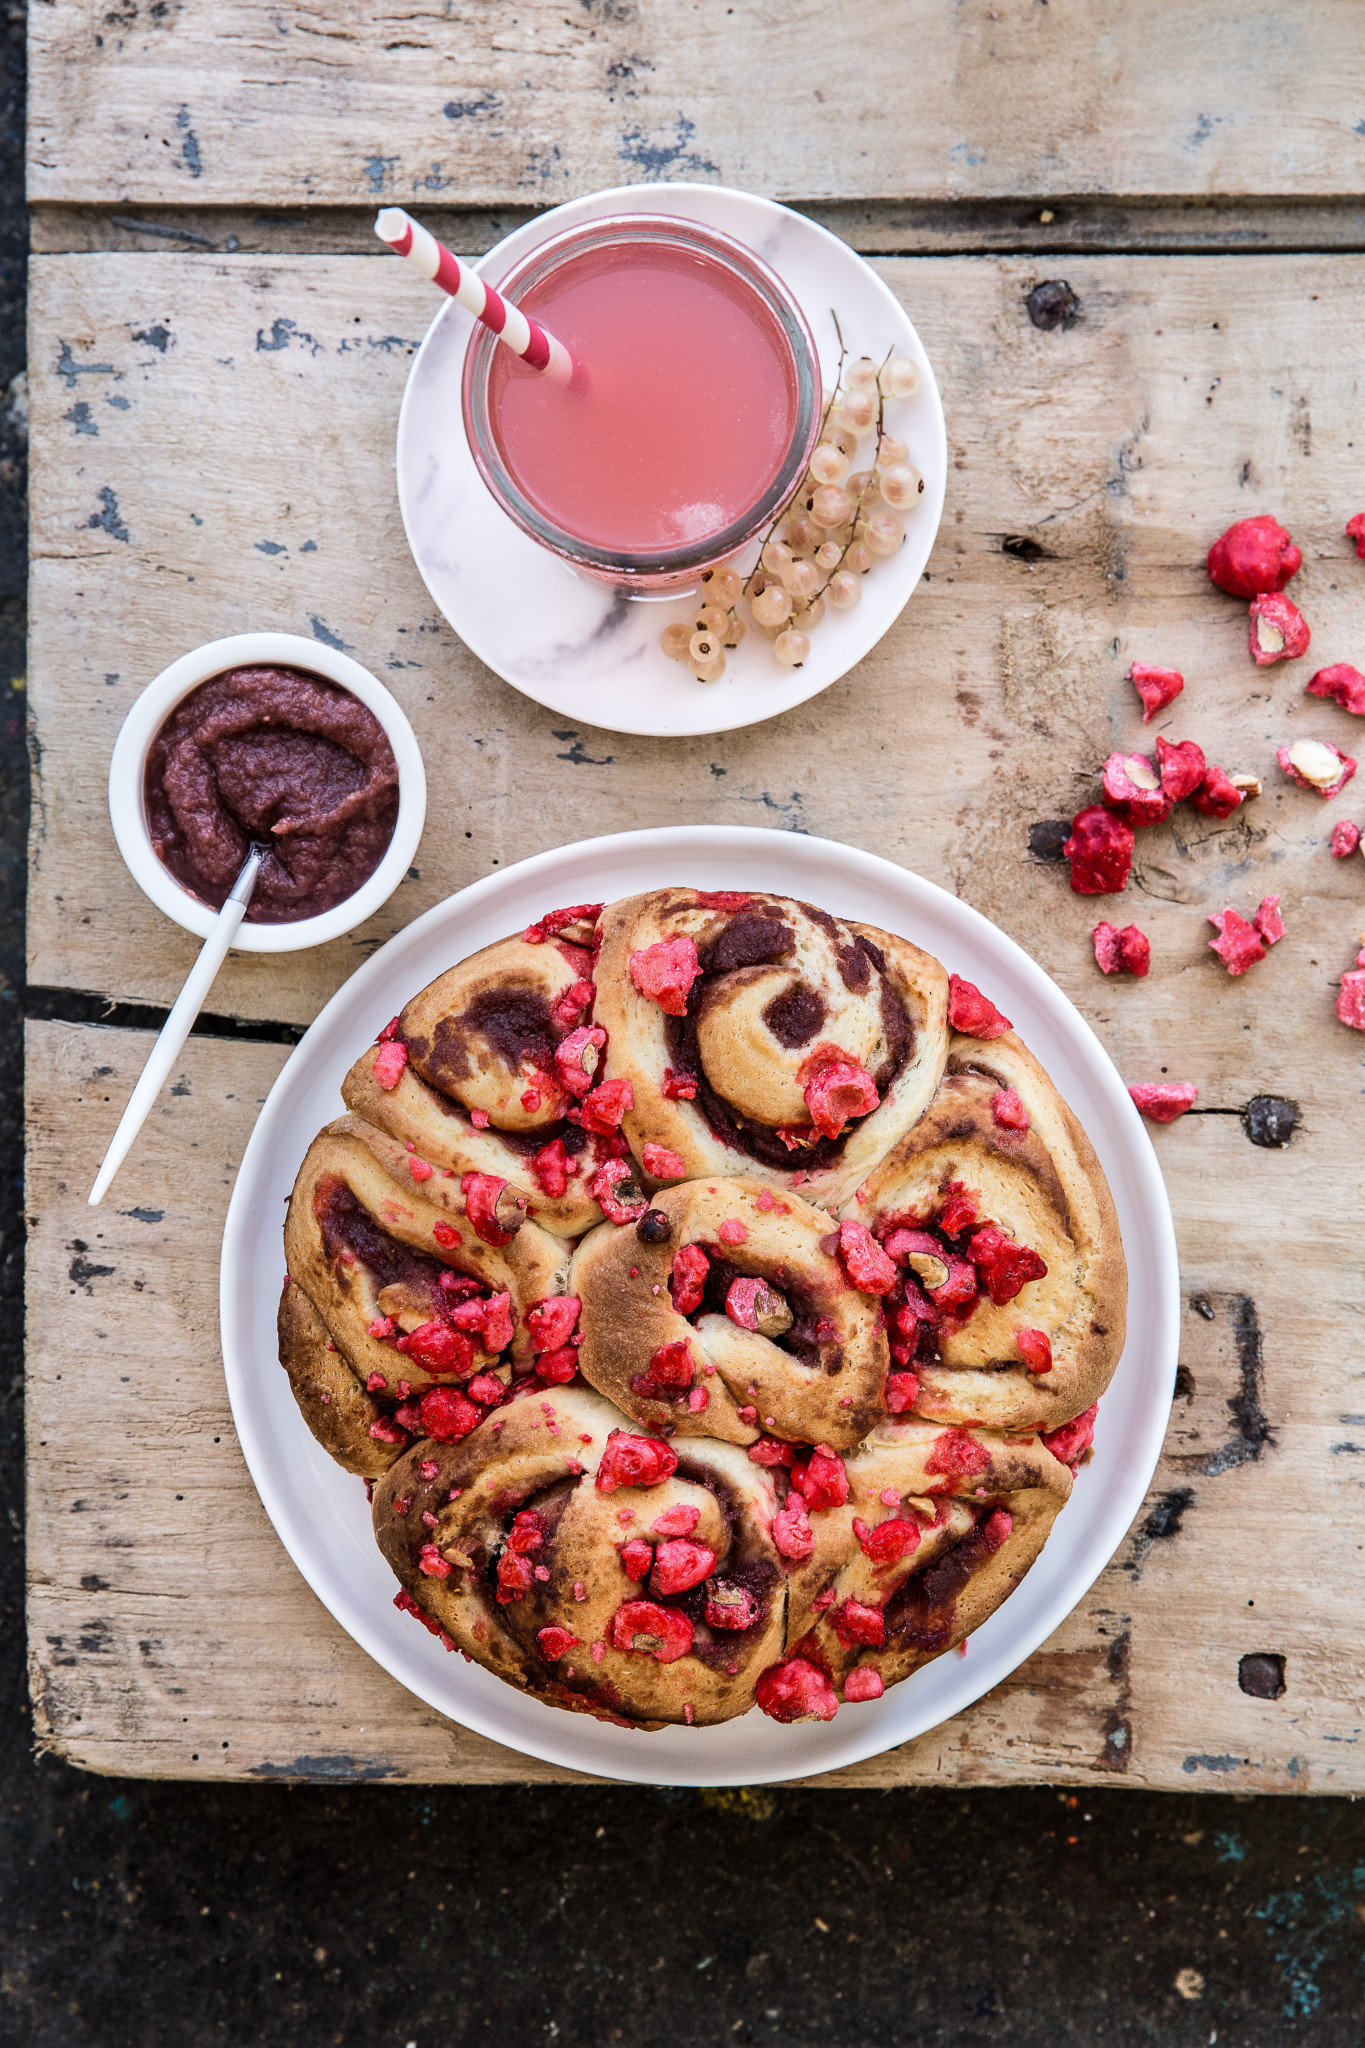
{"points": [[178, 1025]]}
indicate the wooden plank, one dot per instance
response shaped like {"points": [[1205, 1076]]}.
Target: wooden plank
{"points": [[1186, 393], [276, 105], [171, 1636]]}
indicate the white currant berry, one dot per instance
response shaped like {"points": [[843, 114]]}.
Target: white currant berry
{"points": [[900, 378], [801, 578], [863, 371], [839, 437], [703, 647], [772, 606], [675, 640], [735, 629], [843, 590], [902, 485], [828, 555], [711, 619], [890, 449], [884, 534], [864, 486], [791, 648], [857, 558], [858, 409], [805, 534], [814, 611], [709, 671], [721, 587], [775, 557], [831, 506], [829, 465]]}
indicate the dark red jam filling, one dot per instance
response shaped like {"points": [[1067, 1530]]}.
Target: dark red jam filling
{"points": [[348, 1228], [921, 1613], [517, 1024], [514, 1021], [800, 1341], [350, 1231], [528, 1603], [756, 939], [280, 756]]}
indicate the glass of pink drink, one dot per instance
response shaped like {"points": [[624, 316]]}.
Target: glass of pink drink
{"points": [[691, 415]]}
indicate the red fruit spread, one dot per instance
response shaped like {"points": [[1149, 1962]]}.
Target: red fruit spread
{"points": [[277, 755]]}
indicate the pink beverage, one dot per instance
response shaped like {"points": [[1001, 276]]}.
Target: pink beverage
{"points": [[692, 410]]}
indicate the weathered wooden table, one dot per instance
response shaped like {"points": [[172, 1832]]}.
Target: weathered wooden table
{"points": [[218, 352]]}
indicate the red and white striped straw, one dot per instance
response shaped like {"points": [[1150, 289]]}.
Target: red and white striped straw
{"points": [[408, 238]]}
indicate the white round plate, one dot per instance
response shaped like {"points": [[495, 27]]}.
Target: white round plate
{"points": [[573, 644], [320, 1511]]}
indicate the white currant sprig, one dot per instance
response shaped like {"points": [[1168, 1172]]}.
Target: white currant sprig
{"points": [[826, 537]]}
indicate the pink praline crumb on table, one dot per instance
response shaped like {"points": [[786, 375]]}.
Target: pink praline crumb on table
{"points": [[1318, 765], [1239, 945], [1277, 630], [1351, 995], [1100, 850], [1252, 557], [1342, 683], [1128, 951], [1161, 1102], [1157, 687]]}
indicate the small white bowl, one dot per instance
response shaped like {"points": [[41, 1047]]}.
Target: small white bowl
{"points": [[128, 767]]}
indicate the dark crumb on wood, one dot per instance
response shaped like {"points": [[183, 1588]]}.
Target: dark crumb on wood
{"points": [[1053, 304], [1047, 838], [1270, 1120], [1262, 1675]]}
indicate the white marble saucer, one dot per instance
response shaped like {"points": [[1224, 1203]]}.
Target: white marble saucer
{"points": [[571, 643]]}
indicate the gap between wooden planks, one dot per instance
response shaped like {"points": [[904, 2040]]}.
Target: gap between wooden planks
{"points": [[255, 104], [1075, 225], [171, 1636]]}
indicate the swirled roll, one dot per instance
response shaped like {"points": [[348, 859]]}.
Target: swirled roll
{"points": [[1010, 1307], [599, 1570], [761, 1036], [725, 1312], [486, 1071], [403, 1284], [911, 1541]]}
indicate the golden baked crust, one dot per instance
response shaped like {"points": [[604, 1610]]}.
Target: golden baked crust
{"points": [[356, 1179], [481, 1038], [1045, 1188], [332, 1400], [821, 1382], [949, 1484], [781, 984], [542, 1454]]}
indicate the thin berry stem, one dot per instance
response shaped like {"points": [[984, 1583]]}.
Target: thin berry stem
{"points": [[824, 421]]}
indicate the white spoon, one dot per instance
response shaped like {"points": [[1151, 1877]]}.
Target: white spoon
{"points": [[177, 1026]]}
